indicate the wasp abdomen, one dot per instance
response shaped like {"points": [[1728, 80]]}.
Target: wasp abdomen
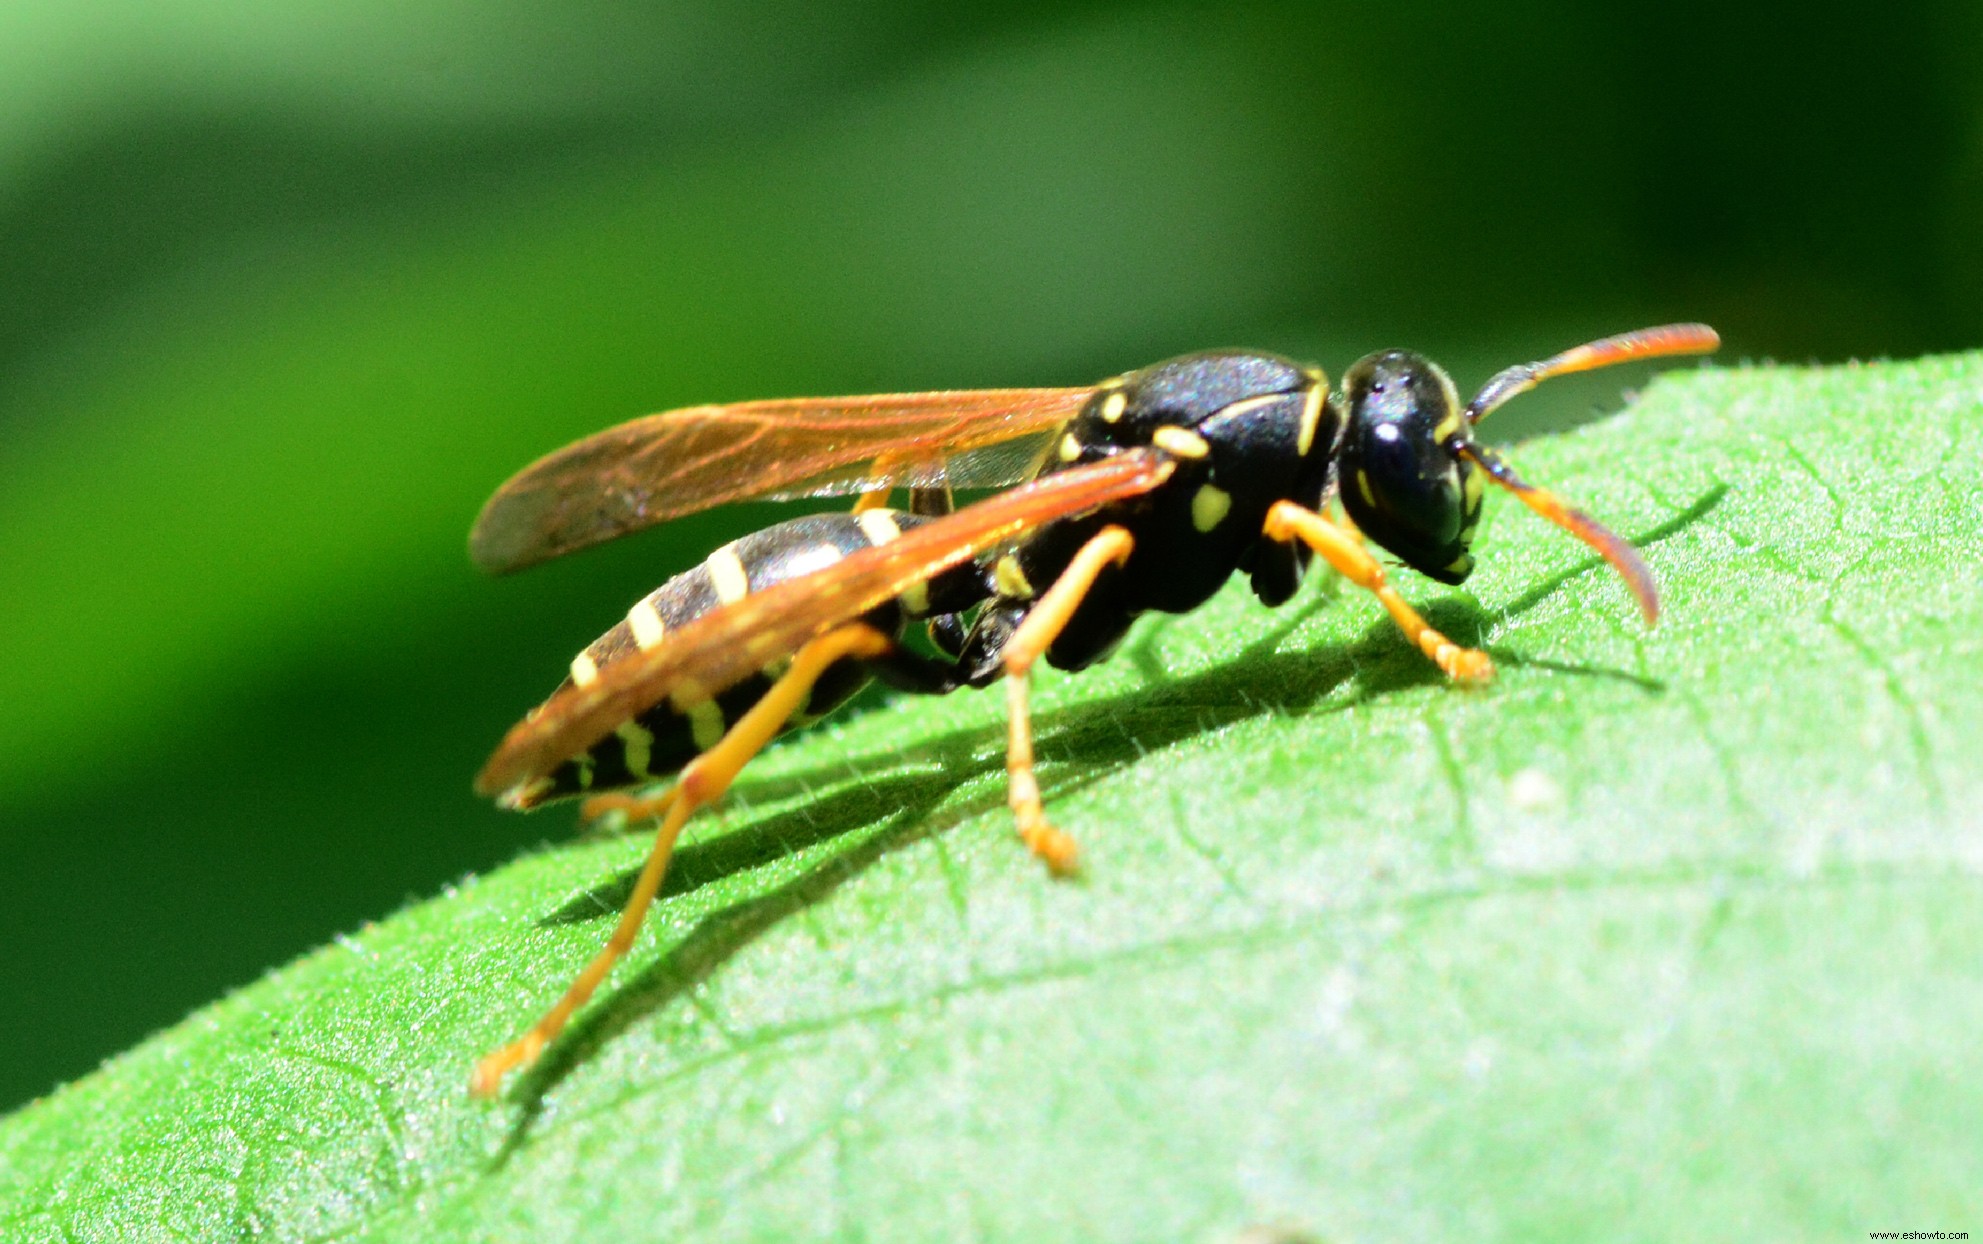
{"points": [[665, 737]]}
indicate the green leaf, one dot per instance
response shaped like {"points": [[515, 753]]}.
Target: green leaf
{"points": [[1663, 935]]}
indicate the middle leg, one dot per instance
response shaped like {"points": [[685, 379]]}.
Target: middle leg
{"points": [[1043, 624]]}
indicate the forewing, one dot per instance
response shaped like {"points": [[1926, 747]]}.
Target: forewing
{"points": [[721, 648], [663, 466]]}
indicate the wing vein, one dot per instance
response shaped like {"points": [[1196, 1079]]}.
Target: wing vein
{"points": [[663, 466]]}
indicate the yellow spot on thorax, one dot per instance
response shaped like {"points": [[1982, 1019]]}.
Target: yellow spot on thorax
{"points": [[1311, 412], [1010, 580], [1209, 506], [1182, 442]]}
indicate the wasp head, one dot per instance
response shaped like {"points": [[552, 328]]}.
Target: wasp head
{"points": [[1404, 481], [1411, 474]]}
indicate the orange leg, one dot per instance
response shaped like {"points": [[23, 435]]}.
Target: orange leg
{"points": [[702, 781], [1347, 554], [1034, 635]]}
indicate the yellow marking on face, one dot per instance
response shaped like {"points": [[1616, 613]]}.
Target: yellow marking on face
{"points": [[584, 670], [1180, 441], [1472, 486], [1454, 420], [1112, 406], [879, 526], [583, 762], [726, 575], [644, 620], [1070, 448], [1459, 563], [637, 743], [1311, 413], [1010, 580], [916, 600], [706, 725], [1363, 486], [1209, 506]]}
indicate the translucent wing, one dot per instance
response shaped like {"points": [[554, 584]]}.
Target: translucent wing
{"points": [[721, 648], [663, 466]]}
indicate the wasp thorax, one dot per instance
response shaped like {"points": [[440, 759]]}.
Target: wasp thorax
{"points": [[1401, 480]]}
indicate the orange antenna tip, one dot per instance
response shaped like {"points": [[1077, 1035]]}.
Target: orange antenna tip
{"points": [[1625, 559], [1662, 341]]}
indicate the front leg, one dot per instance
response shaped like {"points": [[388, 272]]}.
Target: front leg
{"points": [[1287, 521]]}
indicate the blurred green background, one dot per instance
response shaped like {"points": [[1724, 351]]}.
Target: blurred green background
{"points": [[289, 288]]}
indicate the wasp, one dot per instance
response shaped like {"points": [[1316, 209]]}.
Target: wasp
{"points": [[1145, 492]]}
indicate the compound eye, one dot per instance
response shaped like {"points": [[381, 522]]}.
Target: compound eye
{"points": [[1402, 482]]}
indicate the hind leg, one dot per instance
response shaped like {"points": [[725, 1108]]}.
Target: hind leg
{"points": [[702, 781]]}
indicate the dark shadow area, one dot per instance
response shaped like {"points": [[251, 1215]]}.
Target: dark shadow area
{"points": [[781, 835], [712, 943]]}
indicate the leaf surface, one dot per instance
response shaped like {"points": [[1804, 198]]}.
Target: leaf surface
{"points": [[1665, 934]]}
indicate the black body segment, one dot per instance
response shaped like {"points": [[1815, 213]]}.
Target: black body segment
{"points": [[1245, 430]]}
